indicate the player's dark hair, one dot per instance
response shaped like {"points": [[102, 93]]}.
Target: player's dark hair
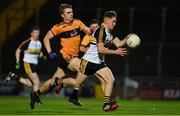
{"points": [[93, 21], [62, 7], [110, 14], [35, 28]]}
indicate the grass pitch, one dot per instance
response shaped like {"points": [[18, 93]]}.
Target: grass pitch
{"points": [[60, 106]]}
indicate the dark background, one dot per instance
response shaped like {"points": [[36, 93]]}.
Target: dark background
{"points": [[156, 22]]}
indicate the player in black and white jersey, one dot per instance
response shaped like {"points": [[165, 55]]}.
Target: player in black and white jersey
{"points": [[31, 49]]}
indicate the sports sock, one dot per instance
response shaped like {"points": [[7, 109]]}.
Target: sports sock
{"points": [[106, 99], [75, 93], [38, 93]]}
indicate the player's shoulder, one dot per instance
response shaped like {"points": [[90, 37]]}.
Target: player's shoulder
{"points": [[59, 25], [98, 29], [87, 36], [27, 40], [77, 21], [39, 41], [25, 43]]}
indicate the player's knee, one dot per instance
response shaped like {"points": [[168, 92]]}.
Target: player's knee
{"points": [[103, 82], [29, 84], [74, 83], [59, 76], [112, 79], [36, 83], [77, 84]]}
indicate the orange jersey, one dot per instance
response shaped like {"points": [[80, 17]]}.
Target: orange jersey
{"points": [[86, 40], [70, 36]]}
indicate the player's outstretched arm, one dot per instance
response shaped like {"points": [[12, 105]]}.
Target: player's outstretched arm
{"points": [[83, 49], [87, 30], [17, 55], [119, 43], [104, 50], [46, 41]]}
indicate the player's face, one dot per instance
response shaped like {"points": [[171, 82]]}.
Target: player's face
{"points": [[35, 34], [112, 22], [93, 26], [68, 14]]}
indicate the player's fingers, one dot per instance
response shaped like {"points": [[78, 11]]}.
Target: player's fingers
{"points": [[123, 48], [124, 51]]}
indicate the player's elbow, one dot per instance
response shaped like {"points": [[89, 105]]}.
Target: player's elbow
{"points": [[45, 39], [17, 51], [101, 50], [48, 36], [83, 49], [77, 85]]}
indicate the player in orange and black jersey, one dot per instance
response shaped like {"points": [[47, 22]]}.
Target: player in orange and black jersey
{"points": [[68, 32]]}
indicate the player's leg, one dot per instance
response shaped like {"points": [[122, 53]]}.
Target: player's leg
{"points": [[59, 74], [106, 74], [35, 80], [36, 84], [75, 83], [74, 66], [30, 70], [46, 86], [26, 82], [63, 63], [55, 80], [13, 76], [102, 82]]}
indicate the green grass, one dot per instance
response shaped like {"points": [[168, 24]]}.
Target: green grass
{"points": [[60, 106]]}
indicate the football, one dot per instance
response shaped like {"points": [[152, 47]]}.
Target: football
{"points": [[133, 40]]}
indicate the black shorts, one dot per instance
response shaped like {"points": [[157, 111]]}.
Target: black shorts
{"points": [[30, 68], [89, 68], [62, 63]]}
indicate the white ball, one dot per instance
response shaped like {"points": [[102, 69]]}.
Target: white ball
{"points": [[133, 40]]}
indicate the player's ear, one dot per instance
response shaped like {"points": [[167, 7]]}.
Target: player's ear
{"points": [[62, 15], [31, 33]]}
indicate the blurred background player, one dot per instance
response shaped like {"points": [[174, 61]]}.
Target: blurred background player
{"points": [[68, 31], [93, 60], [32, 51]]}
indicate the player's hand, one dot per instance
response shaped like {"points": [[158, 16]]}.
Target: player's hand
{"points": [[44, 57], [121, 51], [52, 55], [124, 40], [17, 66]]}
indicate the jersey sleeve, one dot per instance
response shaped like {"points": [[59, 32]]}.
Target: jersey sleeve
{"points": [[81, 25], [86, 40], [55, 30], [113, 34], [24, 45], [100, 34]]}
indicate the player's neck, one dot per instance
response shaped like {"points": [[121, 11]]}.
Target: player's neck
{"points": [[67, 21], [33, 39], [106, 26]]}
